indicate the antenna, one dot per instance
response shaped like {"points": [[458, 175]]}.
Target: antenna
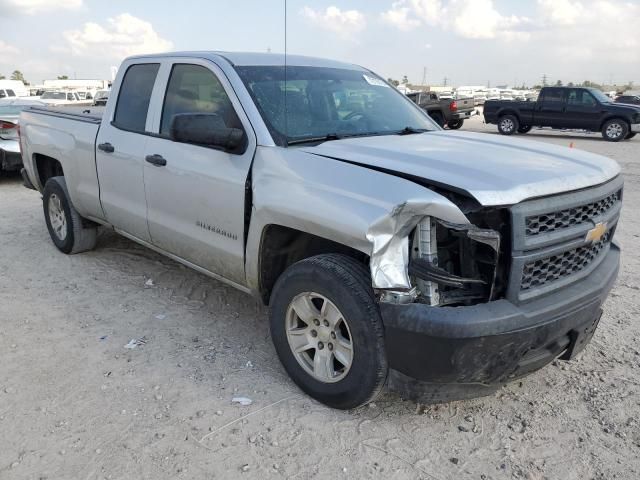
{"points": [[286, 122]]}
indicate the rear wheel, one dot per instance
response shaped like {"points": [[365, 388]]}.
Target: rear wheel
{"points": [[615, 130], [455, 124], [630, 135], [69, 232], [327, 330], [438, 118], [524, 129], [508, 125]]}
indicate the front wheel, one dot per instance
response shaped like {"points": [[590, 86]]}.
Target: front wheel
{"points": [[615, 130], [327, 330], [455, 124], [69, 232], [508, 125]]}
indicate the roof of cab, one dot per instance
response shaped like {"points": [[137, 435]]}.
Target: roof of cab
{"points": [[255, 59]]}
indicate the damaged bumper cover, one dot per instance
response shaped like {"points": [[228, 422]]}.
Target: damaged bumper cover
{"points": [[440, 354], [389, 238]]}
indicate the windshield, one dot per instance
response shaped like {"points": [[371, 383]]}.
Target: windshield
{"points": [[54, 96], [601, 97], [329, 102]]}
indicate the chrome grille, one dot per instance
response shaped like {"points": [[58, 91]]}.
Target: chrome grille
{"points": [[545, 270], [569, 217]]}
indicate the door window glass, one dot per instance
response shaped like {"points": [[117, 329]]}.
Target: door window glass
{"points": [[580, 98], [553, 96], [195, 89], [135, 96]]}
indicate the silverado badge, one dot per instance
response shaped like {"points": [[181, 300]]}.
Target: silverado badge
{"points": [[596, 233]]}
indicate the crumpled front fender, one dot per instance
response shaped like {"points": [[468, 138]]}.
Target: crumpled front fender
{"points": [[389, 237]]}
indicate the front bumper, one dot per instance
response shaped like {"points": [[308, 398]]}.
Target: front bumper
{"points": [[635, 127], [446, 353]]}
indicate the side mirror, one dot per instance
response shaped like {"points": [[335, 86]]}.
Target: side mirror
{"points": [[207, 129]]}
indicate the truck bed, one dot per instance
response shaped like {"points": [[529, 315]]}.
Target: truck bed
{"points": [[69, 133], [79, 113]]}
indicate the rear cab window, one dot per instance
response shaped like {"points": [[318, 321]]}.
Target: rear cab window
{"points": [[134, 97], [553, 96], [11, 93]]}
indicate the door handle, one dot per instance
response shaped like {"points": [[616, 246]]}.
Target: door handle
{"points": [[157, 160], [106, 147]]}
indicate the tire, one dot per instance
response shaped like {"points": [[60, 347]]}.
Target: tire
{"points": [[508, 124], [69, 232], [305, 288], [615, 130], [455, 124], [438, 118], [630, 135], [524, 129]]}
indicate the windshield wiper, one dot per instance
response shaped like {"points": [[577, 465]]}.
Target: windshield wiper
{"points": [[411, 131], [326, 138]]}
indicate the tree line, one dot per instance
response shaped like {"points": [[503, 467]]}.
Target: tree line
{"points": [[18, 75]]}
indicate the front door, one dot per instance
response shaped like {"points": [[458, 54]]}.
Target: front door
{"points": [[582, 110], [196, 194], [120, 148]]}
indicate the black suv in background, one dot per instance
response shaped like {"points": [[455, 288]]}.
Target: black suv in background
{"points": [[566, 108], [629, 99]]}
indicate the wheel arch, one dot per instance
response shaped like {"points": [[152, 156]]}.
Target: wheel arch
{"points": [[46, 167], [281, 247], [614, 116]]}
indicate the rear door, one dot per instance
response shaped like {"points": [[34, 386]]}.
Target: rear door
{"points": [[196, 200], [582, 110], [120, 148], [550, 108]]}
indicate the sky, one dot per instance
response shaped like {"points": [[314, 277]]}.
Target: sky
{"points": [[468, 42]]}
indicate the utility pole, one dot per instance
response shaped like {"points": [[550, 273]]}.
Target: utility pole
{"points": [[544, 80], [445, 81], [424, 76]]}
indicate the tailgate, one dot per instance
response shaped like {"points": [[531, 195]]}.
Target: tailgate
{"points": [[465, 104]]}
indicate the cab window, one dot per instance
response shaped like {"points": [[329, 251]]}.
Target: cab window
{"points": [[553, 96], [580, 98], [135, 96], [195, 89]]}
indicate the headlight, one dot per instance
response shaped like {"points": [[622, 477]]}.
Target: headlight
{"points": [[454, 264]]}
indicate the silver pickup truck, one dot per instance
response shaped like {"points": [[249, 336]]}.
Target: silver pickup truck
{"points": [[443, 264]]}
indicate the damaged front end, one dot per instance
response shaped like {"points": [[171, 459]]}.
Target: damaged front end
{"points": [[445, 263]]}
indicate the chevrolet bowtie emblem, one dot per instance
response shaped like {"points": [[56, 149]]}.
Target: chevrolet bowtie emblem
{"points": [[596, 233]]}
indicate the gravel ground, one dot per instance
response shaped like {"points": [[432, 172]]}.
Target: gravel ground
{"points": [[76, 404]]}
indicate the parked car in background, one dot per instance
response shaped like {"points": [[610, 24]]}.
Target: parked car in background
{"points": [[61, 97], [15, 86], [628, 99], [10, 158], [388, 251], [7, 93], [566, 107], [101, 97], [506, 95], [445, 111]]}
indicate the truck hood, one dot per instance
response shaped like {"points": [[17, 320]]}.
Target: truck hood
{"points": [[492, 169]]}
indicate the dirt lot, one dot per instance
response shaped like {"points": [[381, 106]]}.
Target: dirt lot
{"points": [[76, 404]]}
